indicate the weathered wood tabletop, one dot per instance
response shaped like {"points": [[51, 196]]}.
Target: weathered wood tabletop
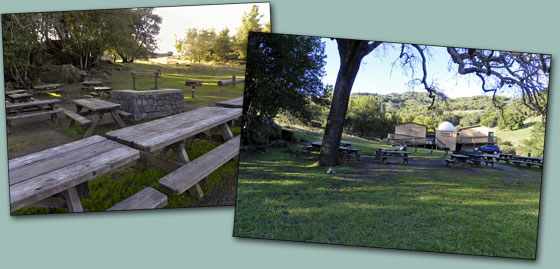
{"points": [[47, 87], [98, 107], [174, 134], [20, 97], [157, 134], [38, 176], [233, 103]]}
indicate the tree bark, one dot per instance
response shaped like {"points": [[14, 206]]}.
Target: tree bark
{"points": [[351, 54]]}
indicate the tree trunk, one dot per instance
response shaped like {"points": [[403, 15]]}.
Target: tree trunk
{"points": [[351, 54]]}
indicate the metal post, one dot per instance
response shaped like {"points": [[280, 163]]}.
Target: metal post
{"points": [[233, 80], [193, 92], [133, 80]]}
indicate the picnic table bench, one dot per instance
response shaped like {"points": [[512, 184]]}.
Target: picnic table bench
{"points": [[170, 136], [233, 103], [390, 154], [98, 108], [148, 198], [64, 171], [527, 163], [32, 109]]}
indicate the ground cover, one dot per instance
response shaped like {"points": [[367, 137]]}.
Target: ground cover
{"points": [[423, 206]]}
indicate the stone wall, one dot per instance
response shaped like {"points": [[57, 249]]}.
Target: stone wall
{"points": [[150, 103]]}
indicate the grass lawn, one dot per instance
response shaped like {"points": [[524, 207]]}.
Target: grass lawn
{"points": [[480, 211], [174, 76]]}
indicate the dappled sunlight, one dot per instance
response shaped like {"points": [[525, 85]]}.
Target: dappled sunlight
{"points": [[54, 94], [276, 182]]}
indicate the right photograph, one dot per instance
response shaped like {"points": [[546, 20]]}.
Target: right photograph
{"points": [[390, 145]]}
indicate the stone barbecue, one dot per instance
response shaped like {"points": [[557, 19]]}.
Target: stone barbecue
{"points": [[149, 104]]}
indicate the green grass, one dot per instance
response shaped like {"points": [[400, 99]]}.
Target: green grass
{"points": [[517, 136], [455, 210], [111, 188], [174, 76]]}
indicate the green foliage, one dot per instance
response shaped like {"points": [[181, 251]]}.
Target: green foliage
{"points": [[367, 118], [507, 147], [20, 39], [284, 74], [223, 47], [535, 144], [250, 22]]}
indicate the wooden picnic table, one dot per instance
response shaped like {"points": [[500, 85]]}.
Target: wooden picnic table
{"points": [[47, 87], [32, 109], [171, 133], [98, 107], [233, 103], [101, 90], [172, 136], [35, 179], [92, 83], [19, 97], [387, 154]]}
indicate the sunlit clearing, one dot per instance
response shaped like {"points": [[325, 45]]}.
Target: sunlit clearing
{"points": [[277, 182]]}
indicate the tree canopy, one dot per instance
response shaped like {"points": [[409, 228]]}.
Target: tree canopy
{"points": [[283, 74], [75, 37]]}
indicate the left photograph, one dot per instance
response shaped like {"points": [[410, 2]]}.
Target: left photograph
{"points": [[125, 109]]}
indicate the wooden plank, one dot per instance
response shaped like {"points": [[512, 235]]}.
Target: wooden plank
{"points": [[191, 173], [118, 119], [95, 104], [14, 92], [61, 160], [77, 117], [196, 191], [157, 134], [165, 164], [233, 103], [93, 124], [147, 198], [171, 136], [154, 127], [72, 200], [33, 114], [225, 131], [30, 191], [28, 159], [32, 103], [228, 81]]}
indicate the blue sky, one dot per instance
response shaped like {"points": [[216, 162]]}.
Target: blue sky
{"points": [[375, 74]]}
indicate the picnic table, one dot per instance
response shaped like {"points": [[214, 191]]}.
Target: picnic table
{"points": [[19, 97], [344, 150], [528, 161], [101, 90], [91, 83], [392, 154], [233, 103], [170, 136], [32, 109], [47, 87], [56, 177], [98, 108]]}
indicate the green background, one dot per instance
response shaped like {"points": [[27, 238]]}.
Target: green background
{"points": [[202, 237]]}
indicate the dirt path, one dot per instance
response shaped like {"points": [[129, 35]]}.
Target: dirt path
{"points": [[369, 164]]}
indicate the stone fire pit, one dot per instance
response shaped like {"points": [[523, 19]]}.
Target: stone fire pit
{"points": [[150, 103]]}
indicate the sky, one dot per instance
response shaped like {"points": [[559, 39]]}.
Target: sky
{"points": [[176, 20], [376, 74]]}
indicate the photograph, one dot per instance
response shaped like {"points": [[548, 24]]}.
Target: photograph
{"points": [[392, 145], [124, 109]]}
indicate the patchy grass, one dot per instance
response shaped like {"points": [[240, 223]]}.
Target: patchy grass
{"points": [[480, 211]]}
